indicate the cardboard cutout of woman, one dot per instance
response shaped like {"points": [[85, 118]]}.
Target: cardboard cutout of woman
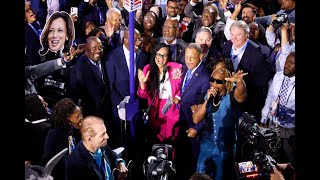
{"points": [[57, 36], [56, 40]]}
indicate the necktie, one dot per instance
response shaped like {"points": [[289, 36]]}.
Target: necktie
{"points": [[188, 77], [173, 49], [284, 91], [99, 69]]}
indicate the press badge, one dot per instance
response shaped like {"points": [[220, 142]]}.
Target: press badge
{"points": [[273, 108]]}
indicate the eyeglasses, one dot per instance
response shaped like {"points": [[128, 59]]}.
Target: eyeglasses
{"points": [[164, 56], [218, 81]]}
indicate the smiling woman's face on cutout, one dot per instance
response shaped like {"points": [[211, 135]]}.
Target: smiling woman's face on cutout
{"points": [[57, 34]]}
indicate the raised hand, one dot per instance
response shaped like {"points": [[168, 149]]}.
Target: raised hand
{"points": [[142, 78], [236, 77]]}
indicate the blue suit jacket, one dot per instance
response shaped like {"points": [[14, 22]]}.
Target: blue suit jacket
{"points": [[119, 77], [193, 94], [260, 73], [93, 90]]}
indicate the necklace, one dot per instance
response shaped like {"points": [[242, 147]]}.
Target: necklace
{"points": [[215, 105]]}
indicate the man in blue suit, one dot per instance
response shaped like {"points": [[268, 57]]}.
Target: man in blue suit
{"points": [[195, 84], [88, 82], [247, 56], [118, 64]]}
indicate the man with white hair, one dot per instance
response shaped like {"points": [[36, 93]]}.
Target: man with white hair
{"points": [[92, 158]]}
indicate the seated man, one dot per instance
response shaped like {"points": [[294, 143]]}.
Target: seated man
{"points": [[92, 158]]}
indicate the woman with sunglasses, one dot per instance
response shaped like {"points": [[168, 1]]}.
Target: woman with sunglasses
{"points": [[160, 83], [221, 110]]}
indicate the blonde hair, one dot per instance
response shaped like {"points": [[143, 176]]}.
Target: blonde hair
{"points": [[227, 74]]}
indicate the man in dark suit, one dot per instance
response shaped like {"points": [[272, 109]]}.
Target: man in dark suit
{"points": [[118, 70], [177, 45], [247, 56], [195, 84], [92, 158], [88, 82]]}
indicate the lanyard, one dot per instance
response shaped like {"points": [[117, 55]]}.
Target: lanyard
{"points": [[38, 32]]}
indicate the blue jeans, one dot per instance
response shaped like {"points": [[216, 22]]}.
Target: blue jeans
{"points": [[222, 161]]}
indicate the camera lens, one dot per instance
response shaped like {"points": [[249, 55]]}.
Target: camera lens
{"points": [[282, 18]]}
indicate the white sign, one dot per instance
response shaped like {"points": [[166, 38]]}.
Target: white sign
{"points": [[132, 5]]}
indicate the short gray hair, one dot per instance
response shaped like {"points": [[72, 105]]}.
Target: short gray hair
{"points": [[242, 25], [195, 46]]}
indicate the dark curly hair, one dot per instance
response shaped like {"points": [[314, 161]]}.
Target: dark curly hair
{"points": [[34, 109], [61, 111]]}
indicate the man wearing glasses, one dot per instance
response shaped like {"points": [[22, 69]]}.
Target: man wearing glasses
{"points": [[220, 110], [177, 45]]}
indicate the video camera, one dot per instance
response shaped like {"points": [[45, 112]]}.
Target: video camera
{"points": [[159, 165], [264, 144], [281, 18]]}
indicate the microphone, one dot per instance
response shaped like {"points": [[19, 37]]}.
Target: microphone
{"points": [[210, 100], [164, 71]]}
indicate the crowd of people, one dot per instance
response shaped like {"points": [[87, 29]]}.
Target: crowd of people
{"points": [[196, 66]]}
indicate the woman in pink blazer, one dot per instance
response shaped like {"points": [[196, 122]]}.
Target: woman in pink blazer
{"points": [[160, 83]]}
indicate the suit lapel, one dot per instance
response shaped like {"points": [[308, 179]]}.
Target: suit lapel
{"points": [[194, 76]]}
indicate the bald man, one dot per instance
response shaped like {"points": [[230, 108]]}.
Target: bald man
{"points": [[88, 82], [92, 158]]}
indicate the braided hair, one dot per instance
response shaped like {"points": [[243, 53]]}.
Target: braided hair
{"points": [[61, 112]]}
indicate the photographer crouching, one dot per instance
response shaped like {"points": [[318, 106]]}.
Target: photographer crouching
{"points": [[221, 112]]}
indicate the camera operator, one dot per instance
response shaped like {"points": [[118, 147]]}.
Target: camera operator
{"points": [[281, 46], [220, 110], [287, 7], [279, 108]]}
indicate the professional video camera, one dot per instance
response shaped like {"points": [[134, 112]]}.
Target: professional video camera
{"points": [[263, 145], [281, 18], [159, 165]]}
